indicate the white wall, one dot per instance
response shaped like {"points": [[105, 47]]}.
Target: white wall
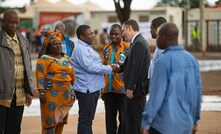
{"points": [[100, 19]]}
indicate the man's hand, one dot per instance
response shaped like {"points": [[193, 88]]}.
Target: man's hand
{"points": [[195, 128], [129, 93], [144, 131], [28, 100], [115, 68]]}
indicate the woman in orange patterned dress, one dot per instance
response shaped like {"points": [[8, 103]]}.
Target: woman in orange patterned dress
{"points": [[55, 78]]}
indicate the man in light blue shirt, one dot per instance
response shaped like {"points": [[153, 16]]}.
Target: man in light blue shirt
{"points": [[89, 72], [155, 23], [175, 89]]}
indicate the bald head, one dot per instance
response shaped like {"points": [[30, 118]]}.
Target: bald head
{"points": [[167, 35], [10, 22], [60, 27]]}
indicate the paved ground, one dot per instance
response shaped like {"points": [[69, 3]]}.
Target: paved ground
{"points": [[210, 80], [209, 124]]}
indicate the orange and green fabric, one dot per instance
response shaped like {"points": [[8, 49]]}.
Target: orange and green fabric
{"points": [[56, 77], [114, 82], [50, 36]]}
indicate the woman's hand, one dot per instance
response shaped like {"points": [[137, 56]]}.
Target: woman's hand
{"points": [[42, 97]]}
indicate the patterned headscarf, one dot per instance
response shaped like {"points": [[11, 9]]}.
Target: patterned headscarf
{"points": [[50, 36]]}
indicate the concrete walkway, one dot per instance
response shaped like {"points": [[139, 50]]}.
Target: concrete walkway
{"points": [[210, 103]]}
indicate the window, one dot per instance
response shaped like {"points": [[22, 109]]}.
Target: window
{"points": [[171, 18], [112, 19], [143, 18]]}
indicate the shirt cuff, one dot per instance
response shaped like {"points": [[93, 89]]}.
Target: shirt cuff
{"points": [[144, 124], [109, 69]]}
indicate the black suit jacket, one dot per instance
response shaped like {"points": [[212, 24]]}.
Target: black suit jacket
{"points": [[135, 67]]}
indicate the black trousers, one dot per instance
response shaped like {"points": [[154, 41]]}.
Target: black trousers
{"points": [[87, 103], [115, 103], [135, 109], [10, 118]]}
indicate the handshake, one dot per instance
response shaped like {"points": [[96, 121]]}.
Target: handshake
{"points": [[115, 68]]}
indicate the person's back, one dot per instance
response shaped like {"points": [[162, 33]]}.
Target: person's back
{"points": [[175, 89], [182, 94]]}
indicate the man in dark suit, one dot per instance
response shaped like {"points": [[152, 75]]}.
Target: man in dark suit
{"points": [[135, 69]]}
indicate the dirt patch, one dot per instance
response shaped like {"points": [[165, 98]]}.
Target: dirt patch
{"points": [[211, 82]]}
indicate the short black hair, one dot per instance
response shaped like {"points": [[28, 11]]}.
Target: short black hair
{"points": [[59, 25], [133, 24], [115, 26], [81, 30], [158, 21], [9, 12]]}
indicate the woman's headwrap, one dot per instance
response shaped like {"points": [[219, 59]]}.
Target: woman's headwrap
{"points": [[50, 36]]}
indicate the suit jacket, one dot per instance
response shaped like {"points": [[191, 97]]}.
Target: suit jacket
{"points": [[136, 67]]}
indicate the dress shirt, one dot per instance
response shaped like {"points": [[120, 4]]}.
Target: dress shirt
{"points": [[175, 93], [89, 70], [157, 53], [132, 40]]}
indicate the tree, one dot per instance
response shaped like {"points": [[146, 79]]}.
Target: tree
{"points": [[179, 3], [173, 3], [123, 10], [218, 2], [192, 3], [20, 9]]}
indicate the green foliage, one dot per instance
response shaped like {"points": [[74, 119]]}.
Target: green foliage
{"points": [[179, 3], [20, 9]]}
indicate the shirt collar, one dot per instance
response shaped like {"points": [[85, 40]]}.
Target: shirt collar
{"points": [[15, 38], [134, 37], [120, 44], [174, 47], [83, 43]]}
